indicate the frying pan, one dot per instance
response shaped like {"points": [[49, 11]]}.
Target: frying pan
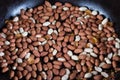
{"points": [[109, 8]]}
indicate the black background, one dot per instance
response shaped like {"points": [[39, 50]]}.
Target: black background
{"points": [[110, 8]]}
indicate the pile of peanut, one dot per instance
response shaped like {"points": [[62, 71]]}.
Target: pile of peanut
{"points": [[59, 42]]}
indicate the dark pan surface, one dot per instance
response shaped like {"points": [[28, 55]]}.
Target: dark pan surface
{"points": [[109, 8]]}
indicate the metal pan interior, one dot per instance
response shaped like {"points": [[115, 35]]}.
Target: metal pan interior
{"points": [[109, 8]]}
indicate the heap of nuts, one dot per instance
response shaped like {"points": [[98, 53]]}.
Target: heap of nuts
{"points": [[59, 42]]}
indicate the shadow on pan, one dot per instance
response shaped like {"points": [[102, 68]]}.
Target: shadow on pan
{"points": [[109, 8]]}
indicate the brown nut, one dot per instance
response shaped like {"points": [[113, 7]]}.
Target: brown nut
{"points": [[73, 75], [12, 73], [101, 57], [57, 63], [97, 77], [19, 74], [106, 66], [116, 58], [97, 62], [50, 74], [82, 56], [50, 66], [15, 78], [4, 64], [89, 64], [55, 71], [67, 57], [66, 64], [72, 62], [43, 54], [28, 76], [34, 74], [47, 4], [29, 68], [39, 66], [56, 66], [39, 77], [114, 64], [78, 67], [20, 68], [58, 4], [84, 69], [78, 51], [96, 50], [22, 55], [62, 72], [36, 53], [56, 78], [29, 33], [100, 17], [25, 72], [45, 67], [34, 67], [5, 69]]}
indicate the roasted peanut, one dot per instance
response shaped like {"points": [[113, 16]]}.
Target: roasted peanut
{"points": [[59, 42]]}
